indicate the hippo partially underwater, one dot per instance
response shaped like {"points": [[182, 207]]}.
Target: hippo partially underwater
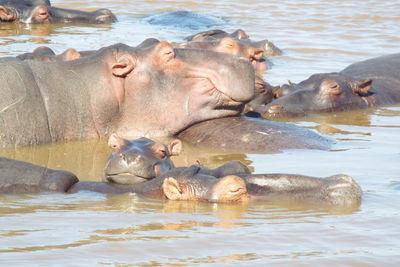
{"points": [[365, 84], [41, 11], [231, 182]]}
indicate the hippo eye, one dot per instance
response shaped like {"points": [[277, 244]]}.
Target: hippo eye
{"points": [[163, 153]]}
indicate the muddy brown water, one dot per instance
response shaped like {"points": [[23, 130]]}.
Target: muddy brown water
{"points": [[89, 229]]}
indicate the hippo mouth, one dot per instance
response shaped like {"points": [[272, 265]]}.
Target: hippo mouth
{"points": [[126, 178], [211, 88]]}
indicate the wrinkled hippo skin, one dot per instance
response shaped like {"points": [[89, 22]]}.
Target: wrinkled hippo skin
{"points": [[23, 177], [368, 83], [184, 19], [268, 47], [252, 135], [41, 11], [138, 160], [150, 90]]}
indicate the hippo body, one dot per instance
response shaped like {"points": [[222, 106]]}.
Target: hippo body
{"points": [[23, 177], [41, 11], [46, 54], [368, 83], [252, 135], [152, 90]]}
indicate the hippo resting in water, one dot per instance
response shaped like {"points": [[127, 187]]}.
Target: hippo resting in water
{"points": [[41, 11], [189, 183], [150, 89], [361, 85]]}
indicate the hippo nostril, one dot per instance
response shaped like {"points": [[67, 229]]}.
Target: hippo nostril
{"points": [[275, 108]]}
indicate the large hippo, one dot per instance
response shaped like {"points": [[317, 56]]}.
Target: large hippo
{"points": [[150, 90], [361, 85], [190, 183], [41, 11]]}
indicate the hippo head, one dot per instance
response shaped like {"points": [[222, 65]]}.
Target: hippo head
{"points": [[329, 92], [232, 46], [25, 12], [135, 161], [190, 185], [161, 90]]}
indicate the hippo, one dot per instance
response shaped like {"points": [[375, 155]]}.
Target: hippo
{"points": [[268, 47], [138, 160], [190, 183], [23, 177], [235, 47], [251, 135], [41, 11], [365, 84], [44, 53], [152, 90], [183, 19]]}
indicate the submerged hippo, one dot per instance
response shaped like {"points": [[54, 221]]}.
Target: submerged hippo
{"points": [[133, 91], [252, 135], [268, 47], [235, 47], [44, 53], [41, 11], [189, 183], [361, 85]]}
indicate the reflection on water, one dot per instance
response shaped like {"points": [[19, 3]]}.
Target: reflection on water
{"points": [[92, 229]]}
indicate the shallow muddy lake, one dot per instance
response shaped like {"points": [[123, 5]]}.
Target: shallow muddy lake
{"points": [[90, 229]]}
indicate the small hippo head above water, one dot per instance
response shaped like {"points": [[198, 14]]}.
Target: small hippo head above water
{"points": [[138, 160], [191, 184], [330, 92]]}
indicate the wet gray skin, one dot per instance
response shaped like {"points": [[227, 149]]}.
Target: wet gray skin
{"points": [[138, 160]]}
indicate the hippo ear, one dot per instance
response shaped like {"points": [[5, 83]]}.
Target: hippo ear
{"points": [[124, 65], [229, 188], [70, 54], [240, 34], [115, 142], [362, 88], [171, 188], [164, 53], [5, 14], [175, 147]]}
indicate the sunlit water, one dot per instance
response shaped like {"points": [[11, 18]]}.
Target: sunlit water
{"points": [[91, 229]]}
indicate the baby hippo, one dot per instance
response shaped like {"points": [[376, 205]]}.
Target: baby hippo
{"points": [[138, 160]]}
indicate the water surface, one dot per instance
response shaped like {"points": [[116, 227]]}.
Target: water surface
{"points": [[90, 229]]}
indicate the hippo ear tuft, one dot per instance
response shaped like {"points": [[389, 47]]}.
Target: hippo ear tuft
{"points": [[5, 14], [164, 53], [171, 188], [175, 147], [115, 142], [362, 88], [70, 54], [124, 65]]}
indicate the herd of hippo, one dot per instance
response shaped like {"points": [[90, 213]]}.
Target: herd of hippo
{"points": [[206, 90]]}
